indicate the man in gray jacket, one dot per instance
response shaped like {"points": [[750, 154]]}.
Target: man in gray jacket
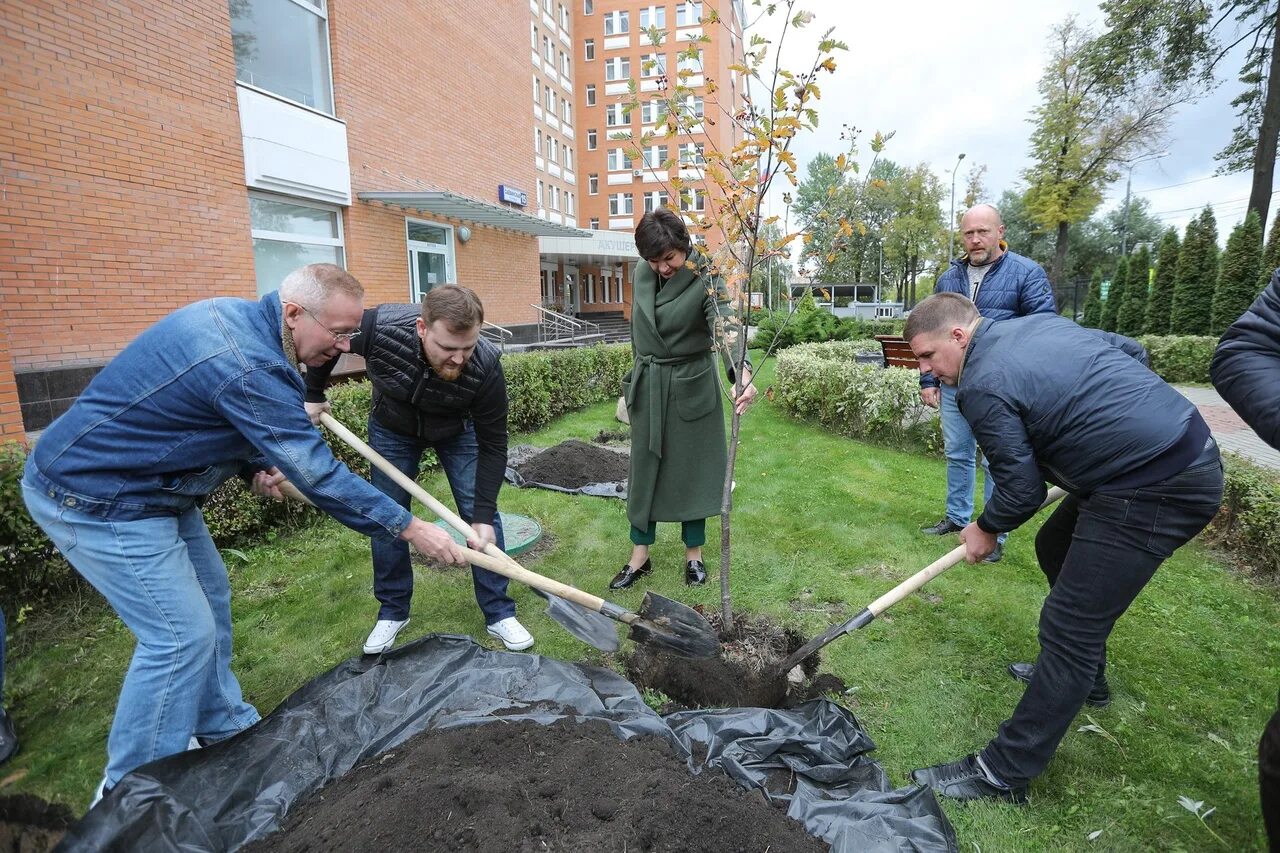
{"points": [[1050, 400]]}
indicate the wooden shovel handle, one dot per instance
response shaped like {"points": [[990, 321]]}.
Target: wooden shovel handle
{"points": [[494, 558], [937, 567]]}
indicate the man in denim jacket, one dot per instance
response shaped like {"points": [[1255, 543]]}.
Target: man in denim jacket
{"points": [[116, 482], [1002, 284]]}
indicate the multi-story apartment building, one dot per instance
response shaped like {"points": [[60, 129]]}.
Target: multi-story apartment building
{"points": [[153, 154], [612, 48]]}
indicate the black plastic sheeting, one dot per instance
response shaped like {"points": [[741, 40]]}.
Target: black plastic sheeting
{"points": [[522, 453], [228, 794]]}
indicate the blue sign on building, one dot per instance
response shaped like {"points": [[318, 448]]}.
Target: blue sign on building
{"points": [[511, 195]]}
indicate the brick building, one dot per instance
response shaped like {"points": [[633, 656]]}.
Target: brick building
{"points": [[153, 154], [157, 153]]}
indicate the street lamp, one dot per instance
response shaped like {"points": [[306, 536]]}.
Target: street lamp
{"points": [[1128, 185], [951, 235]]}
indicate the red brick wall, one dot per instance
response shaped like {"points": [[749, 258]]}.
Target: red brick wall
{"points": [[10, 412], [441, 104], [121, 164]]}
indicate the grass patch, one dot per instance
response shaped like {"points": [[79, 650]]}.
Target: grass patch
{"points": [[821, 523]]}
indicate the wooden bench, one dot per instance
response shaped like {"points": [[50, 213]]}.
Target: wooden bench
{"points": [[897, 352]]}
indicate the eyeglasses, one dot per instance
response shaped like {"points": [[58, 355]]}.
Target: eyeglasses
{"points": [[337, 336]]}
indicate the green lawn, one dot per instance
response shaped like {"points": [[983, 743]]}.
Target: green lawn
{"points": [[822, 526]]}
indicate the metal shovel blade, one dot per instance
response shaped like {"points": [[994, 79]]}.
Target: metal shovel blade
{"points": [[675, 627], [594, 629]]}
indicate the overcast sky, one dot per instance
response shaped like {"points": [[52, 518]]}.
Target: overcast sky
{"points": [[954, 78]]}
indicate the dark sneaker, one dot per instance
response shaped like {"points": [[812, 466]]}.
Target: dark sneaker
{"points": [[964, 780], [995, 556], [695, 573], [942, 528], [1099, 696]]}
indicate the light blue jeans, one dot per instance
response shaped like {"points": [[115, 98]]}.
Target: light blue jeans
{"points": [[167, 582], [961, 449]]}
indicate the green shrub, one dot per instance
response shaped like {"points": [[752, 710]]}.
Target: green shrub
{"points": [[1180, 358], [545, 385], [33, 567], [1249, 522], [782, 329], [824, 383]]}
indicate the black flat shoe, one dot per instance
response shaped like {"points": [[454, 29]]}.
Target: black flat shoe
{"points": [[942, 528], [964, 780], [1099, 696], [628, 575], [695, 573]]}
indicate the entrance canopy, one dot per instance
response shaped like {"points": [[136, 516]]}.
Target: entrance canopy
{"points": [[465, 209]]}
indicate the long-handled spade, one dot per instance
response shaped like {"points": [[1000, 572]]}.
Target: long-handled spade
{"points": [[890, 598], [660, 622]]}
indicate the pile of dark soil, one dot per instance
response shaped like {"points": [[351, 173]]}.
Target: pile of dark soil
{"points": [[31, 825], [744, 673], [523, 787], [573, 464]]}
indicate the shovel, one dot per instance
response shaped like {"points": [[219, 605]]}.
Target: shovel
{"points": [[660, 622], [890, 598]]}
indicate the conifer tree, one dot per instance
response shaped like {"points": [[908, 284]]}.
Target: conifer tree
{"points": [[1271, 254], [1160, 302], [1132, 313], [1196, 277], [1115, 296], [1093, 301], [1238, 280]]}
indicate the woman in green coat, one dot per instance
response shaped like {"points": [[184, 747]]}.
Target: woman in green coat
{"points": [[678, 453]]}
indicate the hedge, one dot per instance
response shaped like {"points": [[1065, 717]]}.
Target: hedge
{"points": [[1180, 358], [824, 383], [1249, 523], [782, 330], [540, 385]]}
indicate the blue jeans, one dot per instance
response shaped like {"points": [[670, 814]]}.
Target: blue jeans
{"points": [[164, 577], [392, 569], [961, 449]]}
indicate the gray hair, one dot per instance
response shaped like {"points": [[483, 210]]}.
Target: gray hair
{"points": [[313, 284]]}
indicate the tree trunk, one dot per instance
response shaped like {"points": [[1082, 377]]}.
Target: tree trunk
{"points": [[1060, 253], [1264, 157]]}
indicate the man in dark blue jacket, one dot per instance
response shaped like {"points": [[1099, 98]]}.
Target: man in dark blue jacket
{"points": [[1050, 400], [1002, 284], [1246, 371]]}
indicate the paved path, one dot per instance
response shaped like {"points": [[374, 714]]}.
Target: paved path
{"points": [[1232, 433]]}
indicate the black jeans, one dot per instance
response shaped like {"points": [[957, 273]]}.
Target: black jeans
{"points": [[1098, 550]]}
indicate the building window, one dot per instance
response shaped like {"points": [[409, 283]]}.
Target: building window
{"points": [[621, 204], [283, 47], [568, 158], [688, 14], [537, 89], [548, 51], [594, 224], [589, 288], [566, 111], [617, 68], [564, 18], [568, 203], [614, 115], [692, 154], [617, 23], [548, 6], [653, 16], [555, 198], [618, 160], [655, 156], [591, 94], [564, 63], [290, 234], [541, 193], [593, 184], [651, 112], [688, 63], [537, 140], [588, 7], [695, 201], [591, 140], [533, 35], [695, 105], [589, 49], [655, 200], [653, 65], [549, 100]]}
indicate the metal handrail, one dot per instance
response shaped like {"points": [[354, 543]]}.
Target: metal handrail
{"points": [[497, 334], [561, 326]]}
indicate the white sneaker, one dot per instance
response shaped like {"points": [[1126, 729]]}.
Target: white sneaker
{"points": [[512, 634], [383, 636]]}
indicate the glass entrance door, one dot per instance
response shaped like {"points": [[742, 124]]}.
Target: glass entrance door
{"points": [[430, 257], [429, 270]]}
